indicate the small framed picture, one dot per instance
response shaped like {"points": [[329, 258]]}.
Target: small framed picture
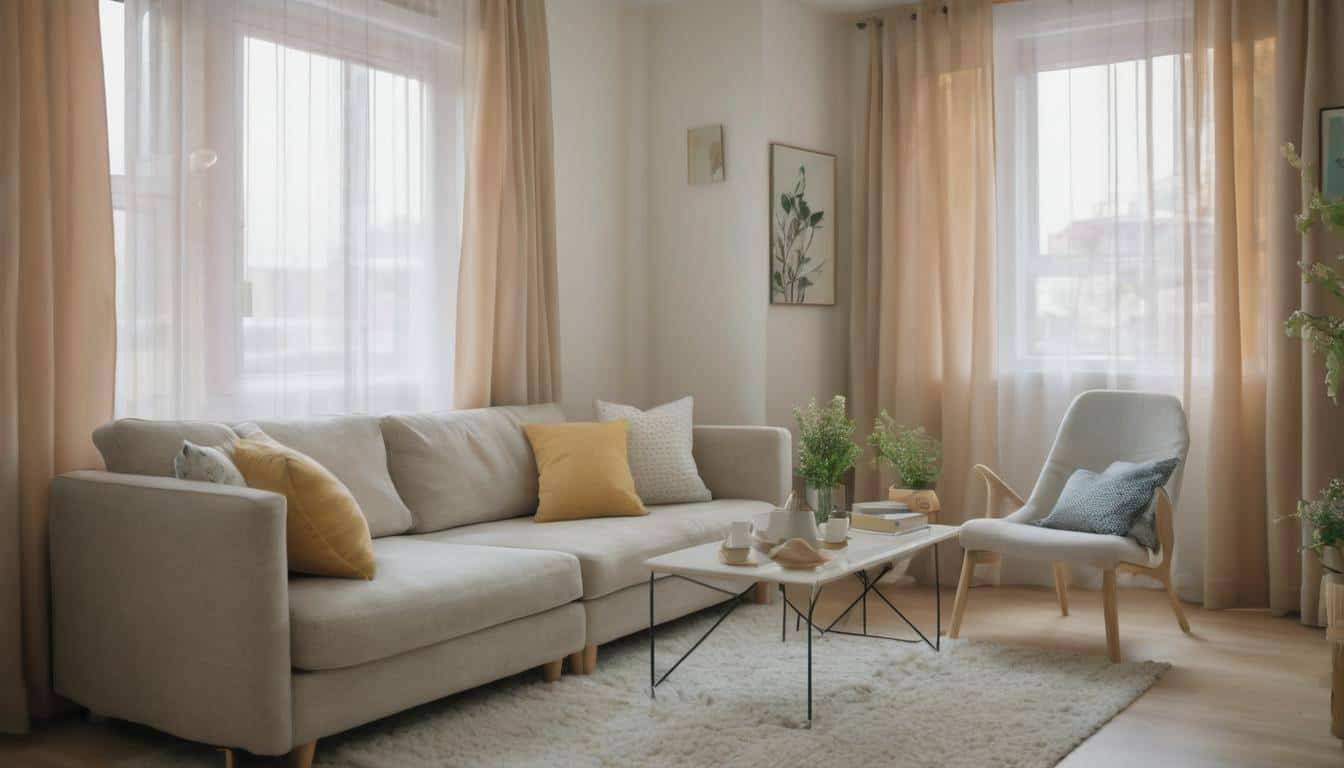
{"points": [[1332, 153], [704, 155]]}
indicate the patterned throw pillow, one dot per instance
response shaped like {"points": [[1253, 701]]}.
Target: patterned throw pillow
{"points": [[1111, 502], [659, 446], [207, 464]]}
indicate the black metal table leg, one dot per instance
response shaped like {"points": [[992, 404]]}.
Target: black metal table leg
{"points": [[783, 614], [653, 686], [812, 605], [865, 602], [937, 603]]}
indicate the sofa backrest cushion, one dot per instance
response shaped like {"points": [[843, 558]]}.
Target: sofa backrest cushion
{"points": [[352, 449], [461, 467], [146, 447]]}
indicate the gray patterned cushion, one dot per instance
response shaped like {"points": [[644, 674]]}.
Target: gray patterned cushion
{"points": [[1113, 502], [659, 445]]}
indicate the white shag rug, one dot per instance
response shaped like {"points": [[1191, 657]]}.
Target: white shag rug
{"points": [[740, 700]]}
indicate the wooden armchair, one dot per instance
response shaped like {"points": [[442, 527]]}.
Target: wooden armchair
{"points": [[1099, 428]]}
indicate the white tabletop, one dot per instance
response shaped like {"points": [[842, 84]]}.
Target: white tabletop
{"points": [[865, 550]]}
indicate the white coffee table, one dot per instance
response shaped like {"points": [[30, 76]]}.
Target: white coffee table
{"points": [[865, 551]]}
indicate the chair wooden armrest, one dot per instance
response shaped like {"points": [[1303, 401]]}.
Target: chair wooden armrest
{"points": [[997, 489]]}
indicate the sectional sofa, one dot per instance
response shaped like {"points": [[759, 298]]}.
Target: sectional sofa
{"points": [[173, 606]]}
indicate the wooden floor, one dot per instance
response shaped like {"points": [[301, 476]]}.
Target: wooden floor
{"points": [[1245, 689]]}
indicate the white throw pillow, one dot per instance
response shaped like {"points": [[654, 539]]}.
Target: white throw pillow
{"points": [[206, 464], [659, 447]]}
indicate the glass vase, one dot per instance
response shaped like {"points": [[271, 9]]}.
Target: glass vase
{"points": [[822, 504]]}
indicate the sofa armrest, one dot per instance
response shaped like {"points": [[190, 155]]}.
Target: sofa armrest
{"points": [[745, 462], [170, 606]]}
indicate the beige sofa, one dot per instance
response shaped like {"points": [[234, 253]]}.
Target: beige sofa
{"points": [[173, 606]]}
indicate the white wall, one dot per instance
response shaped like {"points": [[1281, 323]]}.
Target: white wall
{"points": [[663, 285], [591, 54], [707, 243], [807, 104]]}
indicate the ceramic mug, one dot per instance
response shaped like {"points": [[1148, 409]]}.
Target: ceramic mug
{"points": [[835, 530], [739, 534], [779, 525]]}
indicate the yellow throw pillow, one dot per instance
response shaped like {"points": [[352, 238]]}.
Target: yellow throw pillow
{"points": [[326, 533], [584, 471]]}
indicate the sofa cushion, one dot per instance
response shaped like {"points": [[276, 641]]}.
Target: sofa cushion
{"points": [[351, 448], [612, 550], [463, 467], [325, 532], [147, 447], [426, 592], [583, 471]]}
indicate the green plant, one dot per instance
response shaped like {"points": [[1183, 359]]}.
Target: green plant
{"points": [[914, 454], [1326, 517], [826, 446], [795, 225], [1325, 333]]}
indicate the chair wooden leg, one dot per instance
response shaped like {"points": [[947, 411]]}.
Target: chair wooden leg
{"points": [[963, 586], [302, 755], [575, 660], [1062, 587], [229, 759], [550, 671], [1176, 604], [589, 659], [1109, 607]]}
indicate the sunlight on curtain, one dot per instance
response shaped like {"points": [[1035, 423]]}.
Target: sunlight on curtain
{"points": [[1101, 281], [288, 207]]}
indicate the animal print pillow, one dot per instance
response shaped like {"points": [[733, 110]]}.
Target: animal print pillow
{"points": [[207, 464]]}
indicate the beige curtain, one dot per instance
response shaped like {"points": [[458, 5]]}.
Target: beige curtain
{"points": [[57, 324], [1262, 73], [922, 320], [507, 347]]}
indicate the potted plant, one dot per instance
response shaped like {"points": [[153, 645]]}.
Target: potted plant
{"points": [[1325, 515], [826, 452], [915, 456], [1325, 334]]}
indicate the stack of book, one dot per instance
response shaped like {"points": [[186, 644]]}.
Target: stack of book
{"points": [[890, 517]]}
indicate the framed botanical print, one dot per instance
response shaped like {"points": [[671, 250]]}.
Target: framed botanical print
{"points": [[1332, 153], [802, 231]]}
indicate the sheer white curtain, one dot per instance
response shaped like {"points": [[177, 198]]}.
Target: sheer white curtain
{"points": [[1103, 240], [287, 179]]}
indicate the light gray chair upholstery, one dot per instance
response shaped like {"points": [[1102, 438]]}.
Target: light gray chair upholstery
{"points": [[1100, 427]]}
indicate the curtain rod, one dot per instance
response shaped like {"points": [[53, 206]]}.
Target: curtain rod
{"points": [[863, 23]]}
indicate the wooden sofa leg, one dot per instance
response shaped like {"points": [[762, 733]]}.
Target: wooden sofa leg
{"points": [[302, 755], [589, 659], [575, 660], [764, 593], [959, 606], [1109, 608], [1062, 587], [550, 671]]}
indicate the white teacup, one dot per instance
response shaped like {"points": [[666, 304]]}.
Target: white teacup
{"points": [[779, 525], [835, 530], [739, 534]]}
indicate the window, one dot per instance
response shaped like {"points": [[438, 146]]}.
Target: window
{"points": [[1093, 191], [286, 176]]}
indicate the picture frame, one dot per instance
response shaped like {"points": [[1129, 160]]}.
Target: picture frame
{"points": [[802, 226], [1332, 152], [705, 155]]}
